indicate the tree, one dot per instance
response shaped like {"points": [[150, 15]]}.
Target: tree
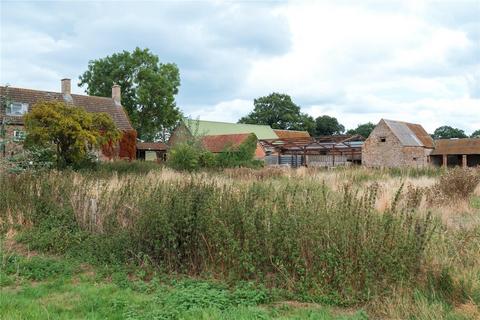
{"points": [[70, 130], [476, 134], [148, 89], [447, 132], [280, 112], [362, 129], [327, 126]]}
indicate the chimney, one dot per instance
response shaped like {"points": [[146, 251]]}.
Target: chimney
{"points": [[116, 93], [66, 87]]}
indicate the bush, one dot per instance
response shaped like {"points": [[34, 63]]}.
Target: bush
{"points": [[454, 185], [126, 167], [184, 157], [295, 236]]}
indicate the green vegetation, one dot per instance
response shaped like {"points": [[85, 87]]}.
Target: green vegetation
{"points": [[236, 243], [190, 155], [363, 129], [447, 132], [279, 112], [68, 130], [42, 287], [148, 89]]}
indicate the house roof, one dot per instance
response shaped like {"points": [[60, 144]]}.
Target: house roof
{"points": [[410, 134], [457, 146], [209, 128], [154, 146], [89, 103], [285, 134], [218, 143]]}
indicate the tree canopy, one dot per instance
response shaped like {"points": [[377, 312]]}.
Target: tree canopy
{"points": [[447, 132], [327, 126], [475, 134], [362, 129], [280, 112], [148, 89], [70, 130]]}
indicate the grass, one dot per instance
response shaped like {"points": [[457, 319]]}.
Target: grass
{"points": [[236, 243], [42, 287]]}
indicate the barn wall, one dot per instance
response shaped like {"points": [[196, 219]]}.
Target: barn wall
{"points": [[391, 153], [179, 134], [376, 153]]}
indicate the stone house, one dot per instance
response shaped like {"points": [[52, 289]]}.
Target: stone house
{"points": [[20, 101], [397, 144]]}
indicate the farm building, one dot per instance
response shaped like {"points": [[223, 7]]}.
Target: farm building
{"points": [[324, 151], [291, 134], [456, 152], [20, 101], [152, 151], [219, 143], [397, 144], [216, 136]]}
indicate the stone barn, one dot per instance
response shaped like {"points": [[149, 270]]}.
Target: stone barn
{"points": [[397, 144]]}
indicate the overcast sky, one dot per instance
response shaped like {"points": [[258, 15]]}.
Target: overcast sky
{"points": [[404, 60]]}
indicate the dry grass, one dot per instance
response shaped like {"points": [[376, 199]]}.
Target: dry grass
{"points": [[455, 247]]}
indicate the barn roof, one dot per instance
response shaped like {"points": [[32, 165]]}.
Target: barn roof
{"points": [[154, 146], [410, 134], [218, 143], [283, 134], [457, 146], [88, 103], [208, 128]]}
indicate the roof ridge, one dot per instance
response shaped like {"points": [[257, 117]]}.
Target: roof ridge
{"points": [[243, 124], [55, 92]]}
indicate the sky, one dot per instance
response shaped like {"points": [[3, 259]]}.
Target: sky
{"points": [[359, 61]]}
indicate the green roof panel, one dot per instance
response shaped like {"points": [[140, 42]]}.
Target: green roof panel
{"points": [[211, 128]]}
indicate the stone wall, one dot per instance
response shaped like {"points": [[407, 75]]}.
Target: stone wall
{"points": [[383, 149]]}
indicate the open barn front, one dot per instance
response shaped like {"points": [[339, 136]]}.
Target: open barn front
{"points": [[456, 152], [325, 151]]}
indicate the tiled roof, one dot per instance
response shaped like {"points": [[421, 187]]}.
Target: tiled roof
{"points": [[410, 134], [457, 146], [208, 128], [218, 143], [89, 103], [156, 146], [285, 134]]}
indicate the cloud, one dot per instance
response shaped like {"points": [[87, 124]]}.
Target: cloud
{"points": [[359, 61]]}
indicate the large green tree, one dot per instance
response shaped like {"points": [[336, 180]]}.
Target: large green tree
{"points": [[362, 129], [280, 112], [148, 89], [327, 126], [476, 134], [69, 130], [447, 132]]}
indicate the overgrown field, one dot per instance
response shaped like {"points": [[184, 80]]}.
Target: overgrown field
{"points": [[397, 244]]}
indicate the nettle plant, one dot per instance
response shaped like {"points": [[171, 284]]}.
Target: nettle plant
{"points": [[4, 139]]}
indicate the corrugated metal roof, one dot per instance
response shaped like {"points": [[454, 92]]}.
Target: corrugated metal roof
{"points": [[409, 134], [218, 143], [457, 146], [291, 134], [210, 128]]}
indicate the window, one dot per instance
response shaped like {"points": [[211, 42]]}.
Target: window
{"points": [[17, 109], [18, 135], [383, 139]]}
